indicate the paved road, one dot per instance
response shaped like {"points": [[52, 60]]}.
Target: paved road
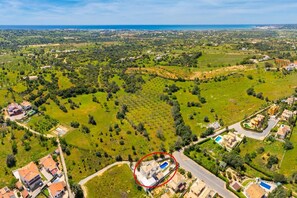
{"points": [[64, 169], [198, 171], [255, 135], [84, 181]]}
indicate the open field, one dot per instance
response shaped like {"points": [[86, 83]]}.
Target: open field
{"points": [[115, 182]]}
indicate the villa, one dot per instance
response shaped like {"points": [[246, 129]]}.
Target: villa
{"points": [[273, 110], [196, 189], [50, 166], [230, 140], [57, 190], [177, 183], [26, 105], [14, 109], [150, 169], [257, 121], [30, 176], [6, 193], [287, 115], [283, 131], [255, 191]]}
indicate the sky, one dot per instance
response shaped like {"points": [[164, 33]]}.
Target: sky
{"points": [[115, 12]]}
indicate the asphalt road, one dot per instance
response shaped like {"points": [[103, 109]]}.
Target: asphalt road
{"points": [[255, 135], [198, 171]]}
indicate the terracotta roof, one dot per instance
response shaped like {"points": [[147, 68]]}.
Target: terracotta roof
{"points": [[26, 103], [25, 193], [255, 191], [29, 172], [6, 193], [49, 163], [19, 185], [56, 188], [283, 130]]}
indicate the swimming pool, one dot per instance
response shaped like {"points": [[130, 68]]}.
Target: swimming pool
{"points": [[264, 185], [164, 165], [218, 139]]}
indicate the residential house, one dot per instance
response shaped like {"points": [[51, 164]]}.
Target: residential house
{"points": [[177, 183], [229, 140], [257, 121], [50, 165], [14, 109], [283, 131], [31, 78], [287, 115], [30, 176], [255, 191], [26, 105], [196, 189], [57, 190], [273, 110], [149, 169], [282, 62], [208, 193], [290, 101], [6, 193], [25, 193], [46, 67]]}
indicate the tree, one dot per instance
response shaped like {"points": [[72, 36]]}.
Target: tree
{"points": [[14, 147], [209, 131], [288, 145], [279, 178], [92, 120], [160, 135], [10, 161], [271, 161], [74, 124], [119, 158], [279, 192], [250, 77], [250, 91], [77, 190], [206, 119], [268, 65], [85, 129], [234, 160], [189, 175]]}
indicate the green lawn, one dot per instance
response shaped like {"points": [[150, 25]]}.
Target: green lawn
{"points": [[113, 183]]}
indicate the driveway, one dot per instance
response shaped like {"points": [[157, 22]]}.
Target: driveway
{"points": [[198, 171], [255, 135]]}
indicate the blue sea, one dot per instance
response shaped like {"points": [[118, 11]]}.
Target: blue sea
{"points": [[128, 27]]}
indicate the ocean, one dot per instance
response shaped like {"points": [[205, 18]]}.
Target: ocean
{"points": [[128, 27]]}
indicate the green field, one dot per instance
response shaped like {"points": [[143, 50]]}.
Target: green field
{"points": [[38, 150], [113, 183]]}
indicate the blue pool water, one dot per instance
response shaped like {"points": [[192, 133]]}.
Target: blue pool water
{"points": [[218, 138], [164, 165], [264, 185]]}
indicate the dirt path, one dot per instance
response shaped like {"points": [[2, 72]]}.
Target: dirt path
{"points": [[165, 73]]}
